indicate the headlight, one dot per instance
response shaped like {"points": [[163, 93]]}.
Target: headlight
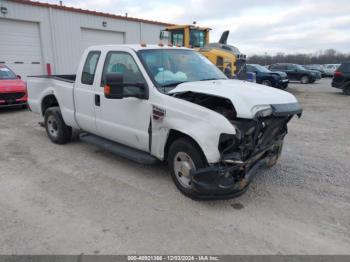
{"points": [[261, 110]]}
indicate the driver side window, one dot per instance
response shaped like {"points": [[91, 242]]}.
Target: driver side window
{"points": [[124, 64]]}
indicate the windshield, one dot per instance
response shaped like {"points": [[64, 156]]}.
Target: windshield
{"points": [[168, 68], [6, 73]]}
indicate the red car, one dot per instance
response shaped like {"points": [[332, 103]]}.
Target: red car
{"points": [[13, 90]]}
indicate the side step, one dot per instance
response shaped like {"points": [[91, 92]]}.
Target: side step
{"points": [[119, 149]]}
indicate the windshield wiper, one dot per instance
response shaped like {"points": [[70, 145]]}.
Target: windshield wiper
{"points": [[173, 84], [209, 79]]}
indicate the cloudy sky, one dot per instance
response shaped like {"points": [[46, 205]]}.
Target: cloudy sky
{"points": [[256, 27]]}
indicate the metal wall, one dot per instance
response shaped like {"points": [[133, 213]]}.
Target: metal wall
{"points": [[61, 32]]}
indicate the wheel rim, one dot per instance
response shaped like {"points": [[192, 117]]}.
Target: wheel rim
{"points": [[304, 79], [183, 164], [52, 126]]}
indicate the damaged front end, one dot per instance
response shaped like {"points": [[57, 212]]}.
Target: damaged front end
{"points": [[258, 143]]}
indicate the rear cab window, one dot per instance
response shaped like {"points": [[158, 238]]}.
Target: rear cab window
{"points": [[89, 69]]}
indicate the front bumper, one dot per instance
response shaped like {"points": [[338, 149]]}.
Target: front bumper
{"points": [[13, 101], [283, 83], [237, 166], [227, 181], [339, 85]]}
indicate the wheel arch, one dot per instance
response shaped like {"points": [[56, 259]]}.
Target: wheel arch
{"points": [[173, 135], [47, 102]]}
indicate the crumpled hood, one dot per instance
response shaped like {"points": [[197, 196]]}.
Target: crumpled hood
{"points": [[246, 97]]}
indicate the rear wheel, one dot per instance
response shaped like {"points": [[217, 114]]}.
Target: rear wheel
{"points": [[266, 82], [56, 129], [305, 79], [184, 156]]}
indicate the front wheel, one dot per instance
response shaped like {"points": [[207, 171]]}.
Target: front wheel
{"points": [[56, 128], [184, 156], [266, 83]]}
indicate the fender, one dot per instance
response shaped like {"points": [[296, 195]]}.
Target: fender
{"points": [[203, 125]]}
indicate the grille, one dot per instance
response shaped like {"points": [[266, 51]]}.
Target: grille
{"points": [[11, 96]]}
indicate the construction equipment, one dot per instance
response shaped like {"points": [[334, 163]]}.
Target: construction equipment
{"points": [[226, 57]]}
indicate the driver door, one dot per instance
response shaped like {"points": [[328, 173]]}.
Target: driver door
{"points": [[123, 120]]}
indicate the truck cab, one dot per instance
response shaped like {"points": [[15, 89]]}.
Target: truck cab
{"points": [[156, 103]]}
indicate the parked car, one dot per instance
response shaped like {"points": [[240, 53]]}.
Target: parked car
{"points": [[266, 77], [329, 69], [154, 103], [316, 67], [341, 78], [297, 72], [13, 91]]}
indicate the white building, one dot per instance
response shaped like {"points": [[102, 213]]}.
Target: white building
{"points": [[36, 38]]}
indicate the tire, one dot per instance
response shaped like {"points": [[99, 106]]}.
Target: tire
{"points": [[266, 82], [305, 79], [183, 156], [273, 160], [56, 128]]}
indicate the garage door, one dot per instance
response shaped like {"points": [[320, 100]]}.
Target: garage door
{"points": [[20, 47], [100, 37]]}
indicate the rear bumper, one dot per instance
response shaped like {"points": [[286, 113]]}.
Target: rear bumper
{"points": [[339, 85]]}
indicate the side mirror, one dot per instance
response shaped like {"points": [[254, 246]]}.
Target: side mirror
{"points": [[19, 77], [114, 87]]}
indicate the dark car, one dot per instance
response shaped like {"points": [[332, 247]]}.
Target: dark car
{"points": [[341, 78], [318, 68], [297, 72], [266, 77]]}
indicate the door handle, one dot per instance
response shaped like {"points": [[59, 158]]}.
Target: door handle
{"points": [[97, 100]]}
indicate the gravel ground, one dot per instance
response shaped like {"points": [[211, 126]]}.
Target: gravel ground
{"points": [[75, 198]]}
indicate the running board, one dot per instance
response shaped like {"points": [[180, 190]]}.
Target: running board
{"points": [[119, 149]]}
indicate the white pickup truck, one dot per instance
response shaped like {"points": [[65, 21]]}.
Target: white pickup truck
{"points": [[161, 103]]}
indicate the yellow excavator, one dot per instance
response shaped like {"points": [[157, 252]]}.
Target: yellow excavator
{"points": [[226, 57]]}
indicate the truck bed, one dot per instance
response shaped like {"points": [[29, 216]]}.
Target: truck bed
{"points": [[60, 87], [66, 78]]}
